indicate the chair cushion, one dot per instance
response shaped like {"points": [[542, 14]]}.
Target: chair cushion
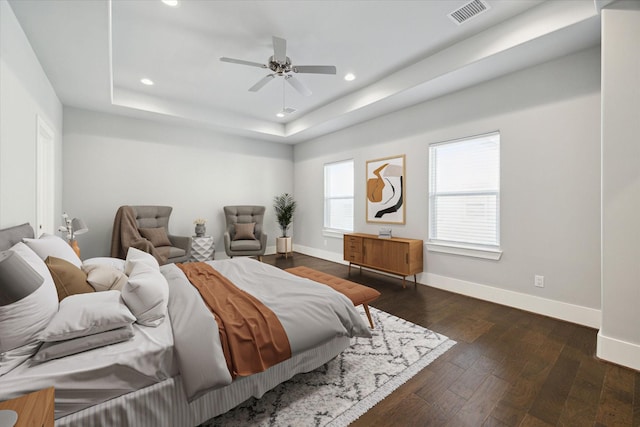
{"points": [[157, 236], [245, 245], [176, 252], [245, 231]]}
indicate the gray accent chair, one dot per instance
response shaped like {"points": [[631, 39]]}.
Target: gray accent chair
{"points": [[158, 216], [244, 214]]}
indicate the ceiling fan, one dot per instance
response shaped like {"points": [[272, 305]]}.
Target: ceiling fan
{"points": [[281, 65]]}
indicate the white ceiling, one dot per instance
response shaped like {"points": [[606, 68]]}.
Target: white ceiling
{"points": [[403, 52]]}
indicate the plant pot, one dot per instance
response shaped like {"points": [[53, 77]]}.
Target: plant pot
{"points": [[284, 245], [200, 230]]}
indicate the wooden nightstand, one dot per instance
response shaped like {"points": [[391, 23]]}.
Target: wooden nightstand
{"points": [[34, 409]]}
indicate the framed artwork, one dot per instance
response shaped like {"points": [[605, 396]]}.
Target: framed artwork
{"points": [[386, 190]]}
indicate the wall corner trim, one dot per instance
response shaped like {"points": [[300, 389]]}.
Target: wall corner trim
{"points": [[617, 351]]}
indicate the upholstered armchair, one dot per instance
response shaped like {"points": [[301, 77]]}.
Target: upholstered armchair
{"points": [[147, 228], [244, 235]]}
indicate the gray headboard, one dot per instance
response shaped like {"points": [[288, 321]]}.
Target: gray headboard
{"points": [[12, 235]]}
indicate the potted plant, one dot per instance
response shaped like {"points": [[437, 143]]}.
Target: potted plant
{"points": [[285, 207]]}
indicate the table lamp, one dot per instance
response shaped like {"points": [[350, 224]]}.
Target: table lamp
{"points": [[17, 278], [77, 227]]}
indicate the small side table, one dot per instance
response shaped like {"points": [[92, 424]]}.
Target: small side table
{"points": [[34, 409], [202, 248]]}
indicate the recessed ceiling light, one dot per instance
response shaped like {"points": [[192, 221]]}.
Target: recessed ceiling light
{"points": [[280, 114], [172, 3], [349, 77], [146, 81]]}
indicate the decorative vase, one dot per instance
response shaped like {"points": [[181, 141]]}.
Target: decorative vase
{"points": [[200, 230], [75, 247]]}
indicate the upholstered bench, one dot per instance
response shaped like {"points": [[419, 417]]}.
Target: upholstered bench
{"points": [[357, 293]]}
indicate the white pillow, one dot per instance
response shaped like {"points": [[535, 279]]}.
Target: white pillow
{"points": [[147, 294], [104, 277], [87, 314], [113, 262], [22, 321], [136, 256], [50, 245]]}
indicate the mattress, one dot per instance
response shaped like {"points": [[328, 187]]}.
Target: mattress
{"points": [[165, 404]]}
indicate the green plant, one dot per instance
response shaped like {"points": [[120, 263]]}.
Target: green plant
{"points": [[285, 207]]}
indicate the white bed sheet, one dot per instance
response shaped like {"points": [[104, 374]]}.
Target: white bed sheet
{"points": [[95, 376], [165, 404]]}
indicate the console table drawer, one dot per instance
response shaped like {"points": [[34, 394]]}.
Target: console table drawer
{"points": [[353, 257]]}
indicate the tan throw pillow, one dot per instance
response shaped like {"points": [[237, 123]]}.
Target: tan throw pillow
{"points": [[105, 277], [69, 279], [157, 236], [245, 231]]}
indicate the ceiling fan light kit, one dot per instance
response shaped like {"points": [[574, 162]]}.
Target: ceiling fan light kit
{"points": [[280, 64]]}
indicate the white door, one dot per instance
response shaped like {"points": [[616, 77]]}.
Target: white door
{"points": [[45, 179]]}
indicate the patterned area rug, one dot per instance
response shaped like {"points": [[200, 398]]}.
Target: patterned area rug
{"points": [[343, 389]]}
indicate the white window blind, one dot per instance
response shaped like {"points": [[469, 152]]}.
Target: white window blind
{"points": [[464, 191], [338, 196]]}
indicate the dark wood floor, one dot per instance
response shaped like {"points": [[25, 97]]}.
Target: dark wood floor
{"points": [[508, 368]]}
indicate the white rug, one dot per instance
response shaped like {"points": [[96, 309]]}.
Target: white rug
{"points": [[340, 391]]}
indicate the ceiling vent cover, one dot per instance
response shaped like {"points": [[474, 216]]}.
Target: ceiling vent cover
{"points": [[468, 11]]}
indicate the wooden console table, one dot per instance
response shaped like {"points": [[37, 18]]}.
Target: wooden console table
{"points": [[395, 255]]}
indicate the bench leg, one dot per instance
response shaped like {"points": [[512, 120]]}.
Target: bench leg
{"points": [[366, 310]]}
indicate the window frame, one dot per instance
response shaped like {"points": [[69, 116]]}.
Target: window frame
{"points": [[486, 251], [330, 231]]}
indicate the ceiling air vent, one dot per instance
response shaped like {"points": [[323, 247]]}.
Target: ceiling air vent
{"points": [[468, 11]]}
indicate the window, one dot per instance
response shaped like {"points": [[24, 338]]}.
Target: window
{"points": [[464, 196], [338, 196]]}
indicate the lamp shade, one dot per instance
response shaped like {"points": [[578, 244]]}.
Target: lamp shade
{"points": [[78, 226], [17, 278]]}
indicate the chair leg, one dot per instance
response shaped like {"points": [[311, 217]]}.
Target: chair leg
{"points": [[260, 258]]}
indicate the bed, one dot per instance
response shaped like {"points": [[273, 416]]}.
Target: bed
{"points": [[171, 371]]}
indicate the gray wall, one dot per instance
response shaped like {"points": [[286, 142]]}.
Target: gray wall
{"points": [[548, 117], [113, 161], [619, 338], [25, 95]]}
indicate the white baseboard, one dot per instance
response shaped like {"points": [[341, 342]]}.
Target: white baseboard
{"points": [[557, 309], [619, 352], [580, 315], [319, 253]]}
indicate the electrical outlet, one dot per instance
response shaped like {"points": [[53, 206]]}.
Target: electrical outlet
{"points": [[538, 281]]}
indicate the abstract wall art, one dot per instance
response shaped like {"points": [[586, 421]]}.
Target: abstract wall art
{"points": [[386, 190]]}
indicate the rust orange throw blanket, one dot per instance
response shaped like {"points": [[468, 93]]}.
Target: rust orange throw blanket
{"points": [[252, 337]]}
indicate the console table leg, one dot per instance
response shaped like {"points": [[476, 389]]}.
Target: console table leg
{"points": [[404, 285], [415, 280]]}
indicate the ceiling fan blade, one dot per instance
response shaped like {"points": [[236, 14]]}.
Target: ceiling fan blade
{"points": [[266, 79], [279, 50], [315, 69], [298, 85], [243, 62]]}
